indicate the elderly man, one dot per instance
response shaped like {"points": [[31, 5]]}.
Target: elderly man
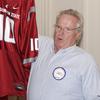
{"points": [[64, 71]]}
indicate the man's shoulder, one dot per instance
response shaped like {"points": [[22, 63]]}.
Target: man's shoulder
{"points": [[45, 44], [85, 56], [45, 38], [45, 41]]}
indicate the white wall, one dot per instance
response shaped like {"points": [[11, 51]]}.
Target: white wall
{"points": [[43, 8], [92, 28]]}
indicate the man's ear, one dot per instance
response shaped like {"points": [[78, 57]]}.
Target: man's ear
{"points": [[78, 38]]}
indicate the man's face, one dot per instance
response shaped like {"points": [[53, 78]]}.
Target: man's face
{"points": [[66, 34]]}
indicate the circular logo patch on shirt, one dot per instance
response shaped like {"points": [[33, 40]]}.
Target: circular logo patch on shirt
{"points": [[59, 73]]}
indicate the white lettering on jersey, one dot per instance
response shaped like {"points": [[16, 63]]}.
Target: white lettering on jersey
{"points": [[5, 34], [9, 26], [1, 27], [34, 42], [6, 6], [15, 7], [32, 45], [17, 16]]}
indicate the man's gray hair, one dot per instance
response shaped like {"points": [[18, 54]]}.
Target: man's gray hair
{"points": [[75, 14]]}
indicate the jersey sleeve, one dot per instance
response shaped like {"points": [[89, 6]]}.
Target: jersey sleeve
{"points": [[29, 38]]}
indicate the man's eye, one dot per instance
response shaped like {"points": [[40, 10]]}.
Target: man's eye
{"points": [[59, 27], [68, 29]]}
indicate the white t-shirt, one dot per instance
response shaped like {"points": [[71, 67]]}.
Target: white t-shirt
{"points": [[70, 74]]}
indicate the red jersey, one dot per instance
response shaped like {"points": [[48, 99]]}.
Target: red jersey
{"points": [[18, 44]]}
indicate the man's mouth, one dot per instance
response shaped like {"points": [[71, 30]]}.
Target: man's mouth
{"points": [[59, 38]]}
